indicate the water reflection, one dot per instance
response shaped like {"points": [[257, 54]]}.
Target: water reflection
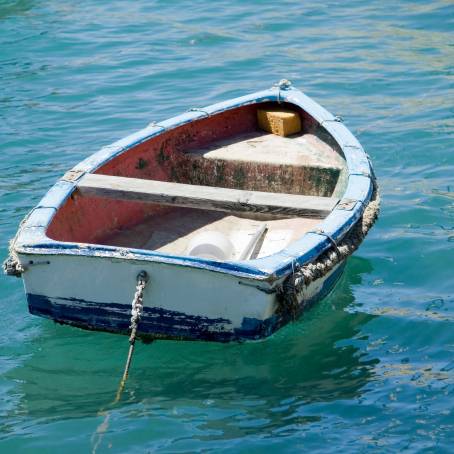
{"points": [[225, 390]]}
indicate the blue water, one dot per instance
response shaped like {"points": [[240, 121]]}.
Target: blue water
{"points": [[371, 368]]}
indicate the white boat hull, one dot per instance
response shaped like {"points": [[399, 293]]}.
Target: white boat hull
{"points": [[179, 302]]}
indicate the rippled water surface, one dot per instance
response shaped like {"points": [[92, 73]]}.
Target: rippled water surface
{"points": [[370, 368]]}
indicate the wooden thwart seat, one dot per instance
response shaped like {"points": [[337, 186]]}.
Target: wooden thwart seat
{"points": [[205, 197]]}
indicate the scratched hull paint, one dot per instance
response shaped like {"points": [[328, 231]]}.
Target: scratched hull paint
{"points": [[187, 306], [90, 284]]}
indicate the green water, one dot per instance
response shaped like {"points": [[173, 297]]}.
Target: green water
{"points": [[371, 368]]}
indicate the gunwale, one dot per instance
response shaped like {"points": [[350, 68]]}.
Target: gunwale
{"points": [[32, 239]]}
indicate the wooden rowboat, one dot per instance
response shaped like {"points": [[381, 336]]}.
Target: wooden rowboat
{"points": [[241, 214]]}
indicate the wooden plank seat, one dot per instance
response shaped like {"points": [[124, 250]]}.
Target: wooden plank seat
{"points": [[257, 161], [205, 197]]}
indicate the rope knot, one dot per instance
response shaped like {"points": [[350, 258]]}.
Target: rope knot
{"points": [[12, 267], [301, 276]]}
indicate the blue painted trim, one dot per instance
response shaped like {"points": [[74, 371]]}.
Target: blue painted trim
{"points": [[32, 239], [155, 322]]}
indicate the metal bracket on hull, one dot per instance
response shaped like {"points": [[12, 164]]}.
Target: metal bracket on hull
{"points": [[154, 124], [336, 119], [197, 109], [73, 175], [347, 204]]}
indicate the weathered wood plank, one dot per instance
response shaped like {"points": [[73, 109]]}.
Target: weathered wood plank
{"points": [[205, 197]]}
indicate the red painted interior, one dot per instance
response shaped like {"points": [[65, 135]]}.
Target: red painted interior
{"points": [[156, 158], [90, 220]]}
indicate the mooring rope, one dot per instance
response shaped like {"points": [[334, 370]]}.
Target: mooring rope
{"points": [[12, 265], [303, 275], [136, 313]]}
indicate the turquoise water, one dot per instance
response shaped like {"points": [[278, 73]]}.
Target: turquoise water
{"points": [[371, 368]]}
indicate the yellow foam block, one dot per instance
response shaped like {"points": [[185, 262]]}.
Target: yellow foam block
{"points": [[282, 122]]}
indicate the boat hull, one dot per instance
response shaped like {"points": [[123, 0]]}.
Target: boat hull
{"points": [[179, 302], [74, 275]]}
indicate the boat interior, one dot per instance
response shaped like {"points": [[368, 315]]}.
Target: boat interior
{"points": [[237, 185]]}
